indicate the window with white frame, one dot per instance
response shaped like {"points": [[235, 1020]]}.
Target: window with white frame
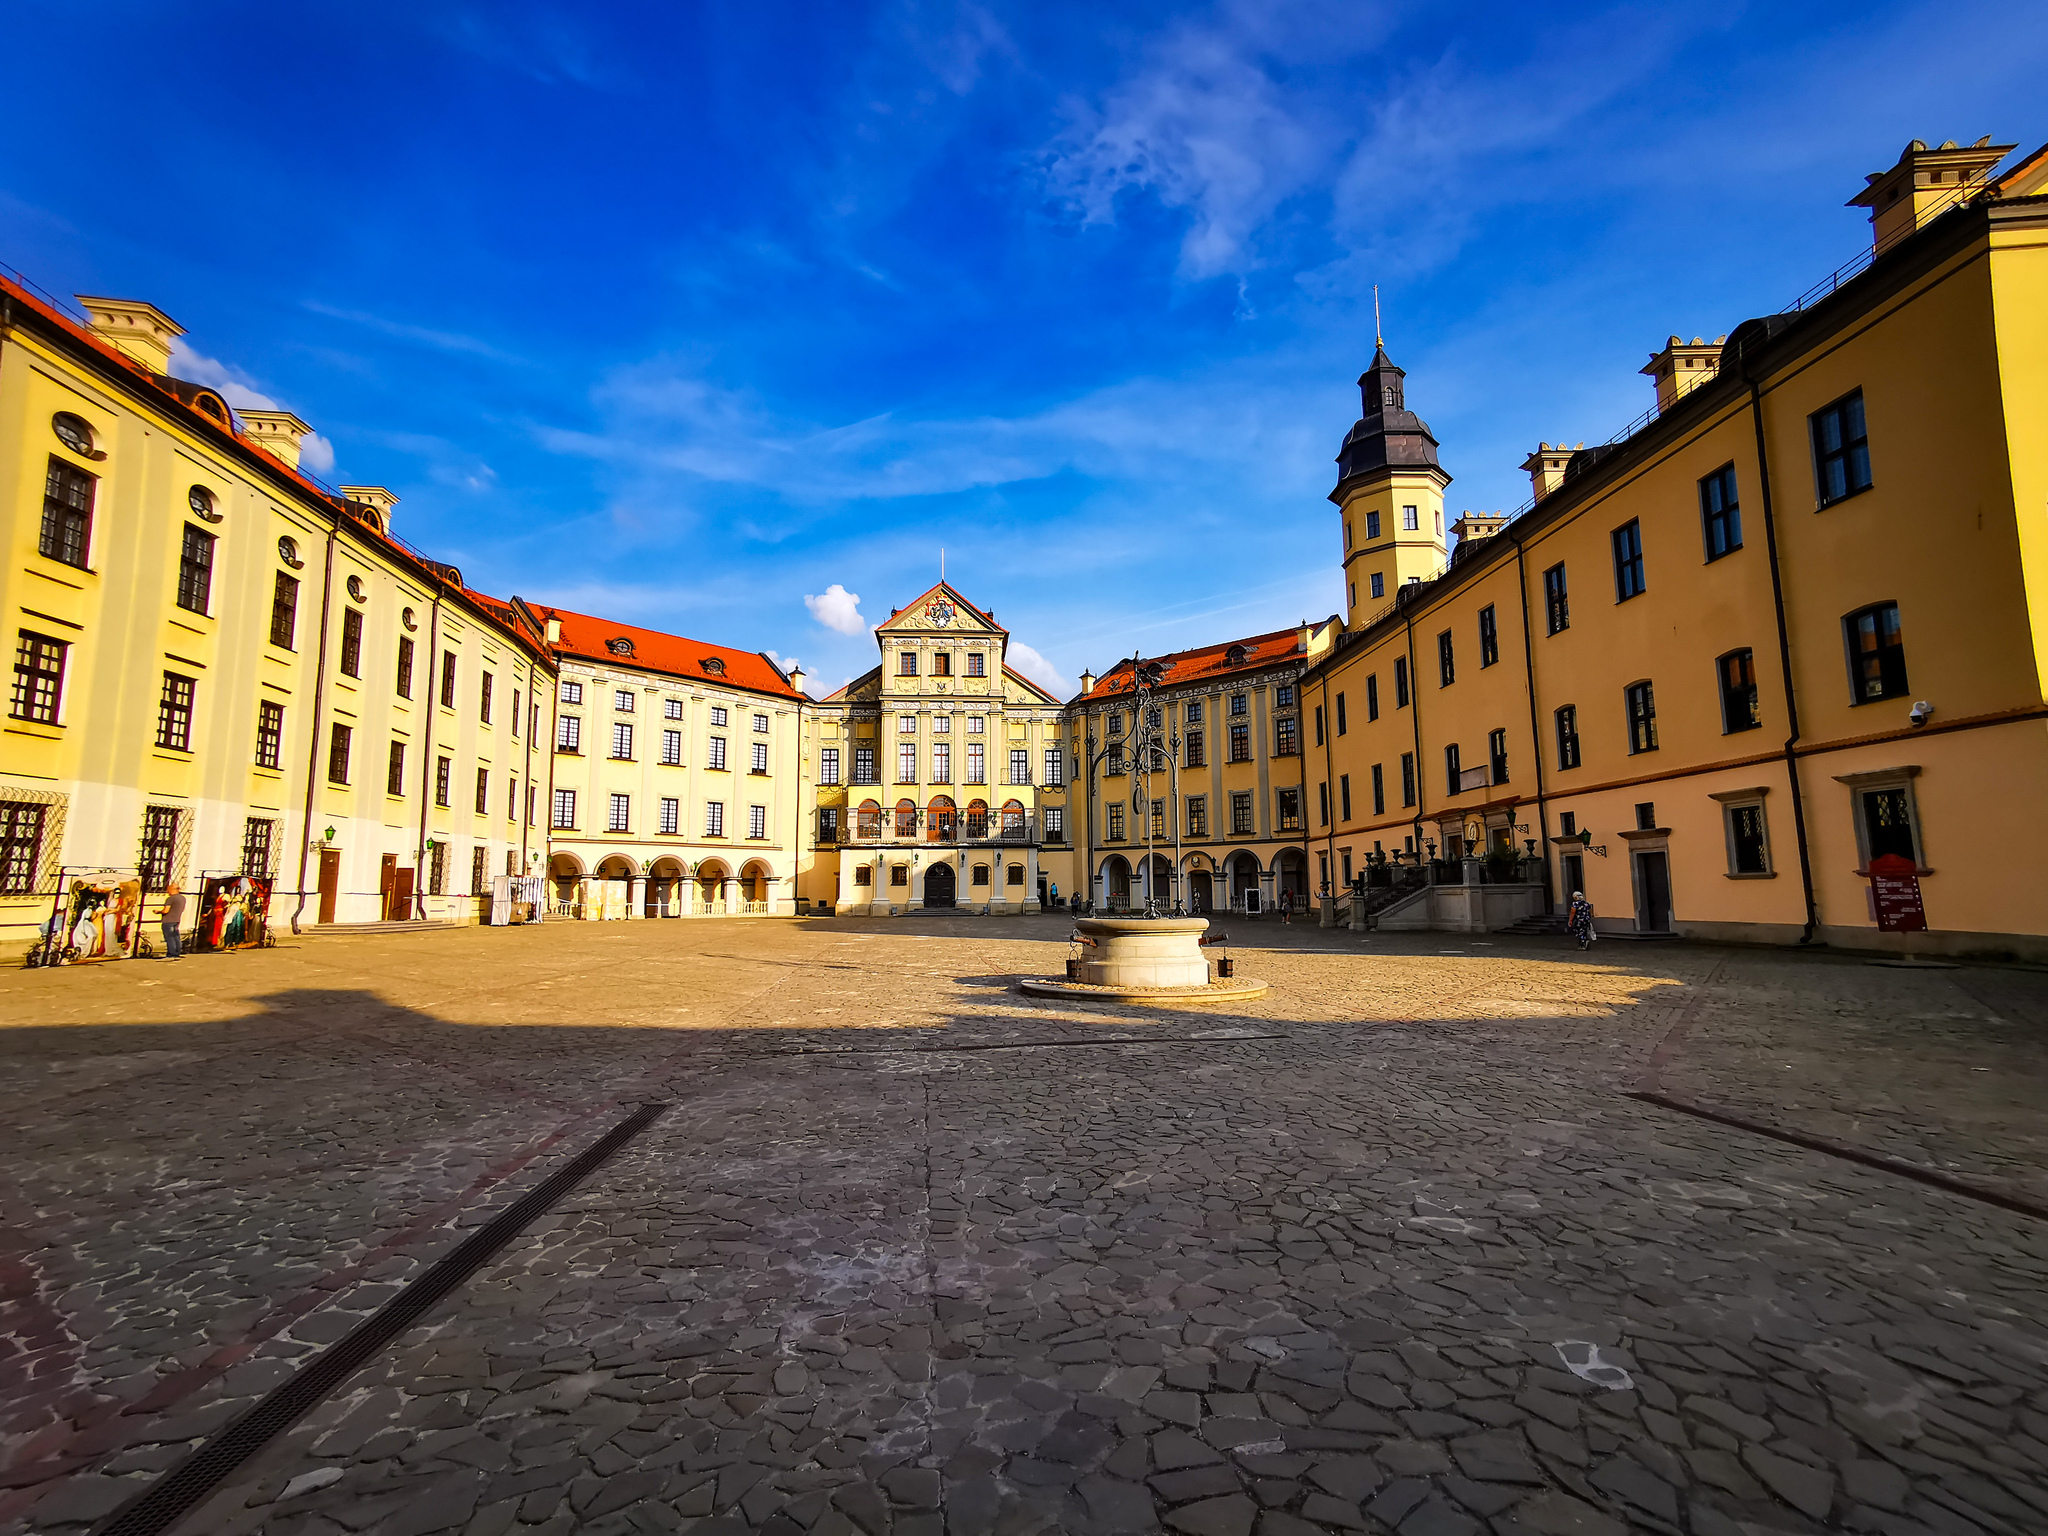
{"points": [[714, 818], [1887, 815], [569, 733], [672, 709], [906, 725], [760, 757], [671, 817], [671, 747], [761, 724], [1746, 832], [622, 700], [715, 757], [622, 739], [572, 693], [828, 765], [757, 821], [620, 818], [974, 723], [718, 714], [565, 809]]}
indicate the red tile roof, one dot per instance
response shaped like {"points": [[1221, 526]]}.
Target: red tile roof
{"points": [[587, 636], [1182, 667]]}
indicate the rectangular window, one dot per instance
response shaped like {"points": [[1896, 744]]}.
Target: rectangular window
{"points": [[941, 724], [1055, 823], [1877, 653], [1055, 768], [195, 570], [622, 740], [256, 839], [568, 733], [1343, 724], [1400, 682], [1240, 704], [671, 709], [1557, 608], [159, 846], [1739, 710], [1642, 718], [906, 663], [1322, 805], [1194, 712], [942, 761], [1198, 815], [1379, 790], [1372, 696], [447, 679], [828, 765], [977, 773], [757, 821], [1372, 525], [1628, 560], [1195, 750], [942, 664], [174, 714], [1407, 778], [1283, 696], [1646, 816], [1720, 516], [1116, 822], [38, 678], [1497, 757], [1287, 736], [906, 762], [338, 739], [1446, 662], [1287, 807], [1377, 582], [1319, 725], [622, 700], [975, 664], [512, 801], [484, 700], [672, 749], [760, 756], [761, 725], [1241, 813], [284, 611], [352, 642], [1240, 743], [1887, 816], [1020, 765], [1568, 737], [671, 816], [565, 810], [67, 513], [21, 843], [1489, 637], [718, 716], [483, 791], [714, 755], [515, 713], [437, 869], [394, 770], [906, 725], [1841, 449], [269, 734], [864, 765], [1748, 847], [479, 880], [619, 818], [1409, 520], [404, 667], [1158, 819], [1453, 769], [572, 693], [1343, 797]]}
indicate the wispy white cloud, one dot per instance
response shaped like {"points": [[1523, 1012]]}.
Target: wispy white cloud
{"points": [[1039, 670], [316, 453], [838, 609], [443, 341]]}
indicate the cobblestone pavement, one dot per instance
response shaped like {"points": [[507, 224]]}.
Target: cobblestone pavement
{"points": [[1387, 1249]]}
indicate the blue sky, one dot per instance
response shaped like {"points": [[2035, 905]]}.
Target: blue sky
{"points": [[711, 316]]}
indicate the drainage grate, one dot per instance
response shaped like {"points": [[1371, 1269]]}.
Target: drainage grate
{"points": [[167, 1500]]}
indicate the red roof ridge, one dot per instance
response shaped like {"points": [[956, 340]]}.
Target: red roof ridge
{"points": [[658, 650]]}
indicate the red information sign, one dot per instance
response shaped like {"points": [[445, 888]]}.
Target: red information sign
{"points": [[1895, 893]]}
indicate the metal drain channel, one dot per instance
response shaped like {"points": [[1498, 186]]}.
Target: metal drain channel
{"points": [[1969, 1189], [174, 1495]]}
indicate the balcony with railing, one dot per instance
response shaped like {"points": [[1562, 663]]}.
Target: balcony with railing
{"points": [[892, 828]]}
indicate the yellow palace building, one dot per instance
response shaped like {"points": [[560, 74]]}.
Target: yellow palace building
{"points": [[1795, 622]]}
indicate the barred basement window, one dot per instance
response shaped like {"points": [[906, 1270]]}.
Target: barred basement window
{"points": [[159, 846], [437, 869], [478, 879], [21, 841]]}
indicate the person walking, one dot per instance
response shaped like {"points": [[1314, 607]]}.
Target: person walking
{"points": [[174, 917], [1286, 907], [1578, 918]]}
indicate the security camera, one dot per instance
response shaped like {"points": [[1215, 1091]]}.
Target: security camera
{"points": [[1920, 713]]}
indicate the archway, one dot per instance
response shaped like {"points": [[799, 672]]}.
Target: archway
{"points": [[1242, 871], [614, 888], [1159, 880], [565, 874], [664, 888], [1290, 874], [940, 886], [754, 878], [712, 876], [1116, 883]]}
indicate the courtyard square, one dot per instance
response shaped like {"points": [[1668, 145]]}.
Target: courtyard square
{"points": [[1390, 1248]]}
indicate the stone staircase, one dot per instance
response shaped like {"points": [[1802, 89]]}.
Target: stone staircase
{"points": [[1537, 926], [345, 930]]}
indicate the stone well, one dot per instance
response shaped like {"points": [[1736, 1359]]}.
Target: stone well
{"points": [[1143, 959]]}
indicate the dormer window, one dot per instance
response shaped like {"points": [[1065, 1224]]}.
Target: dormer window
{"points": [[212, 406], [1235, 655], [619, 645], [713, 665]]}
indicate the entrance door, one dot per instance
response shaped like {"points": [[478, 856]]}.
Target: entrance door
{"points": [[330, 882], [1653, 893], [1201, 892], [1574, 872], [400, 910], [939, 886], [387, 882]]}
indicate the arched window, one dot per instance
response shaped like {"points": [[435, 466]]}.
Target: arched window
{"points": [[977, 819], [906, 818], [870, 818], [1013, 818], [942, 821]]}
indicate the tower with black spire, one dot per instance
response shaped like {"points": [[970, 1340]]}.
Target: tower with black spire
{"points": [[1389, 495]]}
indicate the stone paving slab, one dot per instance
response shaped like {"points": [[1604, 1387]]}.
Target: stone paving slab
{"points": [[1382, 1250]]}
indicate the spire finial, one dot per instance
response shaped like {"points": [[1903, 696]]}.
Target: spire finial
{"points": [[1378, 339], [942, 563]]}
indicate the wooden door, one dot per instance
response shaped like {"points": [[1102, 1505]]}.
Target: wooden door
{"points": [[401, 895], [1653, 893], [330, 882]]}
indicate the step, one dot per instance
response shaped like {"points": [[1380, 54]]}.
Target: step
{"points": [[410, 925]]}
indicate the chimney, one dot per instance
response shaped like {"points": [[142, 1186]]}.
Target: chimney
{"points": [[376, 499], [1087, 682], [796, 677], [1301, 637], [1546, 467], [1682, 367], [137, 330], [554, 630], [279, 431], [1923, 185], [1478, 525]]}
